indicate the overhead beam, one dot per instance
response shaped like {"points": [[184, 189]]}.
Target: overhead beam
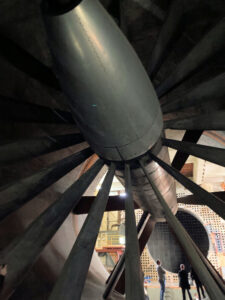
{"points": [[213, 202], [28, 64], [71, 282], [169, 32], [114, 203], [210, 121], [195, 58], [21, 111], [209, 90], [16, 195], [180, 157], [28, 247], [28, 148], [212, 154]]}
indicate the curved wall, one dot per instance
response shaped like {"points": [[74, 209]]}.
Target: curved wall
{"points": [[163, 245]]}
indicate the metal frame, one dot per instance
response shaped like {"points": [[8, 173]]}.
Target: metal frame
{"points": [[187, 244]]}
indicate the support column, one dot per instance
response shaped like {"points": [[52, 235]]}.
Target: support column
{"points": [[21, 111], [72, 279], [16, 195], [171, 28], [25, 149], [117, 274], [209, 90], [195, 58], [21, 255], [212, 154], [134, 286], [216, 204], [180, 158], [211, 121]]}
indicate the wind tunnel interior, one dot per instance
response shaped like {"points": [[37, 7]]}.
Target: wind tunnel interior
{"points": [[162, 243], [28, 75]]}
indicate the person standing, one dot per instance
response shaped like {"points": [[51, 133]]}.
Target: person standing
{"points": [[198, 283], [162, 279], [3, 272], [183, 281]]}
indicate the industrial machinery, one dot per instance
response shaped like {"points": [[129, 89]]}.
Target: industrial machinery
{"points": [[107, 85], [115, 108]]}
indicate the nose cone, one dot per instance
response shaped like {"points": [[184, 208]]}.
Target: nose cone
{"points": [[111, 97]]}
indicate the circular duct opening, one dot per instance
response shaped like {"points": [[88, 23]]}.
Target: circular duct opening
{"points": [[164, 246]]}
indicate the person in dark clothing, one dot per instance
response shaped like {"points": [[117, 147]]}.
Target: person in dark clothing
{"points": [[3, 272], [183, 282], [198, 283]]}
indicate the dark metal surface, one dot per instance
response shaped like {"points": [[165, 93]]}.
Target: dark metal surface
{"points": [[71, 281], [27, 63], [29, 148], [122, 109], [195, 58], [214, 273], [114, 203], [191, 199], [216, 204], [20, 111], [27, 248], [186, 242], [209, 90], [134, 287], [170, 30], [180, 158], [117, 276], [143, 236], [162, 243], [16, 195], [210, 121], [212, 154], [142, 191]]}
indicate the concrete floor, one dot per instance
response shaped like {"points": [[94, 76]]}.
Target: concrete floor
{"points": [[170, 294]]}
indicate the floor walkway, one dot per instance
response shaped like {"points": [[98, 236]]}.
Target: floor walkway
{"points": [[171, 293]]}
